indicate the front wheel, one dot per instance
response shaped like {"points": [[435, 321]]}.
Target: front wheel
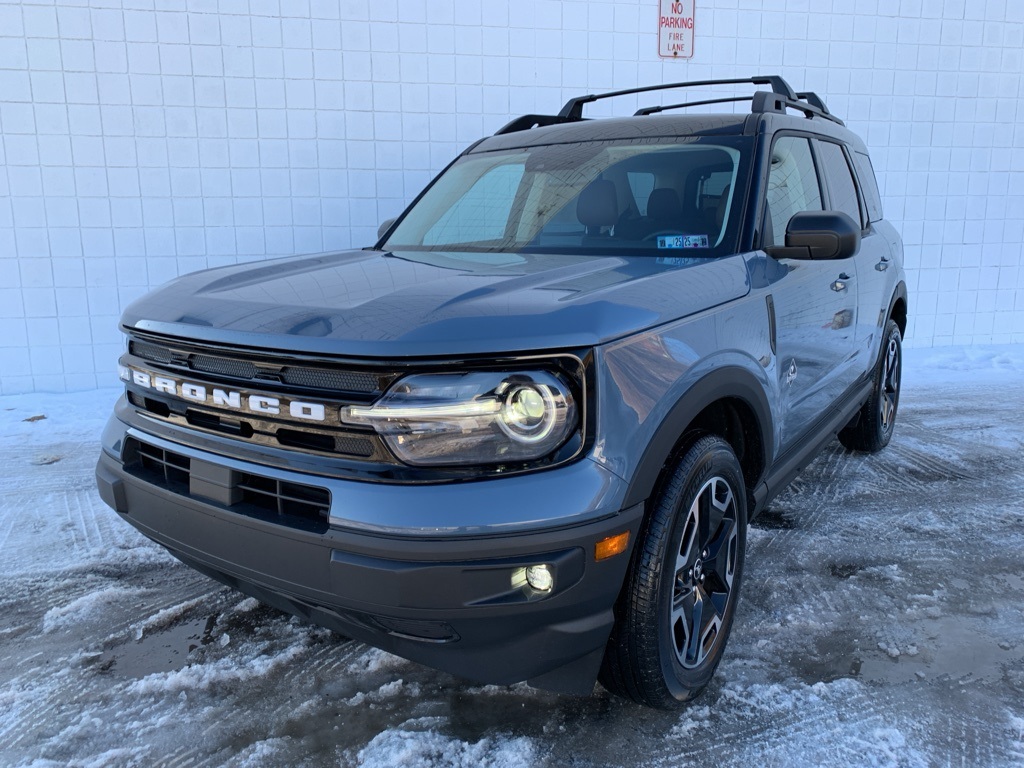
{"points": [[677, 606], [871, 429]]}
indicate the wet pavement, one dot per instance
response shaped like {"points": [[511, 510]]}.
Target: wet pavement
{"points": [[881, 622]]}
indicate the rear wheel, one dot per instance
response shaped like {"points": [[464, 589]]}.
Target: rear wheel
{"points": [[677, 606], [872, 428]]}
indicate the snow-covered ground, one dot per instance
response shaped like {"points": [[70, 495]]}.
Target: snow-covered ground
{"points": [[881, 623]]}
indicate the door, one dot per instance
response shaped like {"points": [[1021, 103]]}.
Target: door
{"points": [[815, 301], [875, 262]]}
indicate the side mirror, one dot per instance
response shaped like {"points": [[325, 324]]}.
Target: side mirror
{"points": [[818, 235], [384, 227]]}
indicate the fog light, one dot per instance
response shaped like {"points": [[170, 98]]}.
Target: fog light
{"points": [[540, 578]]}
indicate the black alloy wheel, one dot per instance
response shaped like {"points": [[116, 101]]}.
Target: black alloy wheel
{"points": [[705, 570], [872, 427], [677, 606]]}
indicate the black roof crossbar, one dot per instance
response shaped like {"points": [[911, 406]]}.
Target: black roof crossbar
{"points": [[655, 110], [573, 109], [779, 99]]}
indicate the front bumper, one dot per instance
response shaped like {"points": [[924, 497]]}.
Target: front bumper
{"points": [[439, 592]]}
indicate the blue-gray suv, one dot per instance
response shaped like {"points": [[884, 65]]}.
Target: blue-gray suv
{"points": [[522, 437]]}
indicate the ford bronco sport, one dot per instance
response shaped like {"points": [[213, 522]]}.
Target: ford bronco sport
{"points": [[521, 437]]}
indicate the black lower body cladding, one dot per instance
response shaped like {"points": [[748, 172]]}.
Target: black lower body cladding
{"points": [[448, 603]]}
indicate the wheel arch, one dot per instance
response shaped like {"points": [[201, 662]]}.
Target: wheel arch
{"points": [[729, 402], [898, 307], [897, 312]]}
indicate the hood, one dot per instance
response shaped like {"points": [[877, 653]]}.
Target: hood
{"points": [[422, 304]]}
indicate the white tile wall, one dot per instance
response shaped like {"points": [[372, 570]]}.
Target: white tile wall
{"points": [[146, 138]]}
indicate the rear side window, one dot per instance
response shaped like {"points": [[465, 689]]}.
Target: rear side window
{"points": [[792, 185], [868, 185], [840, 180]]}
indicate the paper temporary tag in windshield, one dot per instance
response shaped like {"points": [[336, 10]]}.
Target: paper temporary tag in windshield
{"points": [[682, 241]]}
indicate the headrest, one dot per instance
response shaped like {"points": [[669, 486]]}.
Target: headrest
{"points": [[663, 204], [597, 205]]}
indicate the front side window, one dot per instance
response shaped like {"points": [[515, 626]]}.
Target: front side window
{"points": [[657, 196], [792, 186]]}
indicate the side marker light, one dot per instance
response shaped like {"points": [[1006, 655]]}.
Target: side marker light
{"points": [[611, 546]]}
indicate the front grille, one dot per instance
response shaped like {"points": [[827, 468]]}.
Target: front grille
{"points": [[295, 505], [330, 441], [320, 378], [328, 383], [237, 369], [243, 367], [152, 352], [173, 466]]}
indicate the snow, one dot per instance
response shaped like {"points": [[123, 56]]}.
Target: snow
{"points": [[880, 623], [90, 607], [222, 674], [400, 747]]}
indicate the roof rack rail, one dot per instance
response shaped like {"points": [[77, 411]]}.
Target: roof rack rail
{"points": [[779, 99], [814, 100], [526, 122], [764, 101], [573, 109]]}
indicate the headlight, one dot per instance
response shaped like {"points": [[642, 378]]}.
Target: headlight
{"points": [[481, 417]]}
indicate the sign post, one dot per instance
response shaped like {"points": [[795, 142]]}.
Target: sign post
{"points": [[675, 29]]}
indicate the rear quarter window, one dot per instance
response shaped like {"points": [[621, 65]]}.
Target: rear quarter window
{"points": [[868, 185], [840, 181]]}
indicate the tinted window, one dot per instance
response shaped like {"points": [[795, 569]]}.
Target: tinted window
{"points": [[868, 185], [792, 185], [636, 196], [482, 212], [640, 185], [840, 180]]}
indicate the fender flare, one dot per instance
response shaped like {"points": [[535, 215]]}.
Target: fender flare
{"points": [[899, 293], [728, 382]]}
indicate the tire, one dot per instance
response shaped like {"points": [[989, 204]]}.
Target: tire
{"points": [[871, 429], [685, 573]]}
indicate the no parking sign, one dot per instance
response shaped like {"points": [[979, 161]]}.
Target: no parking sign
{"points": [[675, 29]]}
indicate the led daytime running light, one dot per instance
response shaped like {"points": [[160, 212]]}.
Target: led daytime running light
{"points": [[362, 414]]}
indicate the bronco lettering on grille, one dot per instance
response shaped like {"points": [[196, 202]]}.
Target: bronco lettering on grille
{"points": [[222, 398]]}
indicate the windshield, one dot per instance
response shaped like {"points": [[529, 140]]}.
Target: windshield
{"points": [[645, 196]]}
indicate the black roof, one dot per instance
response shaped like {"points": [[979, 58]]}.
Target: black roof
{"points": [[617, 128]]}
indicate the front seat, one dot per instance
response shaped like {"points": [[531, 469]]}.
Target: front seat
{"points": [[597, 207], [664, 211]]}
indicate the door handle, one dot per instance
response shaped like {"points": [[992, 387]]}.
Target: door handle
{"points": [[840, 285], [883, 264]]}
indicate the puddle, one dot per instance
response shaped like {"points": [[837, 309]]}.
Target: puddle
{"points": [[163, 651], [844, 571], [945, 649], [773, 520]]}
